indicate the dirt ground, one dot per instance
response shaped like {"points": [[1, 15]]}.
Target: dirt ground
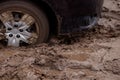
{"points": [[94, 55]]}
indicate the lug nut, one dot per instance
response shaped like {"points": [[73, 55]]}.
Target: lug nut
{"points": [[21, 30], [18, 36], [10, 35], [9, 29]]}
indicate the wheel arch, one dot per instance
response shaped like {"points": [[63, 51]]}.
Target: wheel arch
{"points": [[50, 13]]}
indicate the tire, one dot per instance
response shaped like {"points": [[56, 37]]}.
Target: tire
{"points": [[41, 21]]}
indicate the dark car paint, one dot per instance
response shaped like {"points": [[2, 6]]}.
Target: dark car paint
{"points": [[69, 13], [75, 7]]}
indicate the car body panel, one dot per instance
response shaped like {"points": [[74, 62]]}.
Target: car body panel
{"points": [[75, 7], [70, 12]]}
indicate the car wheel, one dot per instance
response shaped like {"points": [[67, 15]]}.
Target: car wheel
{"points": [[21, 23]]}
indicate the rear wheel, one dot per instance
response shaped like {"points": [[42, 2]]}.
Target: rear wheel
{"points": [[22, 23]]}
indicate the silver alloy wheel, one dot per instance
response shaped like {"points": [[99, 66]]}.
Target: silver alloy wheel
{"points": [[16, 33], [22, 23], [17, 29]]}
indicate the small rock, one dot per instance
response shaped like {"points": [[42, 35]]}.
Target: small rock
{"points": [[28, 61], [60, 64], [41, 60], [95, 68], [31, 76], [79, 65], [14, 61], [78, 75]]}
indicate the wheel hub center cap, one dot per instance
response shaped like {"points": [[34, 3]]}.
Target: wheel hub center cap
{"points": [[16, 33]]}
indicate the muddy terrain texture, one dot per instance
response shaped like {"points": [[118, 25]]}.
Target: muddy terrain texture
{"points": [[93, 55]]}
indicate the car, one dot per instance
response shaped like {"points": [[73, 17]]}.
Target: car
{"points": [[33, 21]]}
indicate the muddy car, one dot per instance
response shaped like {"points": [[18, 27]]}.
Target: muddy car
{"points": [[33, 21]]}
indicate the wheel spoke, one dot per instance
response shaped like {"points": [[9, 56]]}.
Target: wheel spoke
{"points": [[24, 27], [23, 38], [13, 42], [26, 34], [7, 25], [29, 20], [6, 16]]}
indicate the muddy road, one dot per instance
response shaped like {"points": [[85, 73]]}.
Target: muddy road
{"points": [[94, 55]]}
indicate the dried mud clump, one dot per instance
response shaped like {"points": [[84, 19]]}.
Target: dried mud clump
{"points": [[113, 66]]}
